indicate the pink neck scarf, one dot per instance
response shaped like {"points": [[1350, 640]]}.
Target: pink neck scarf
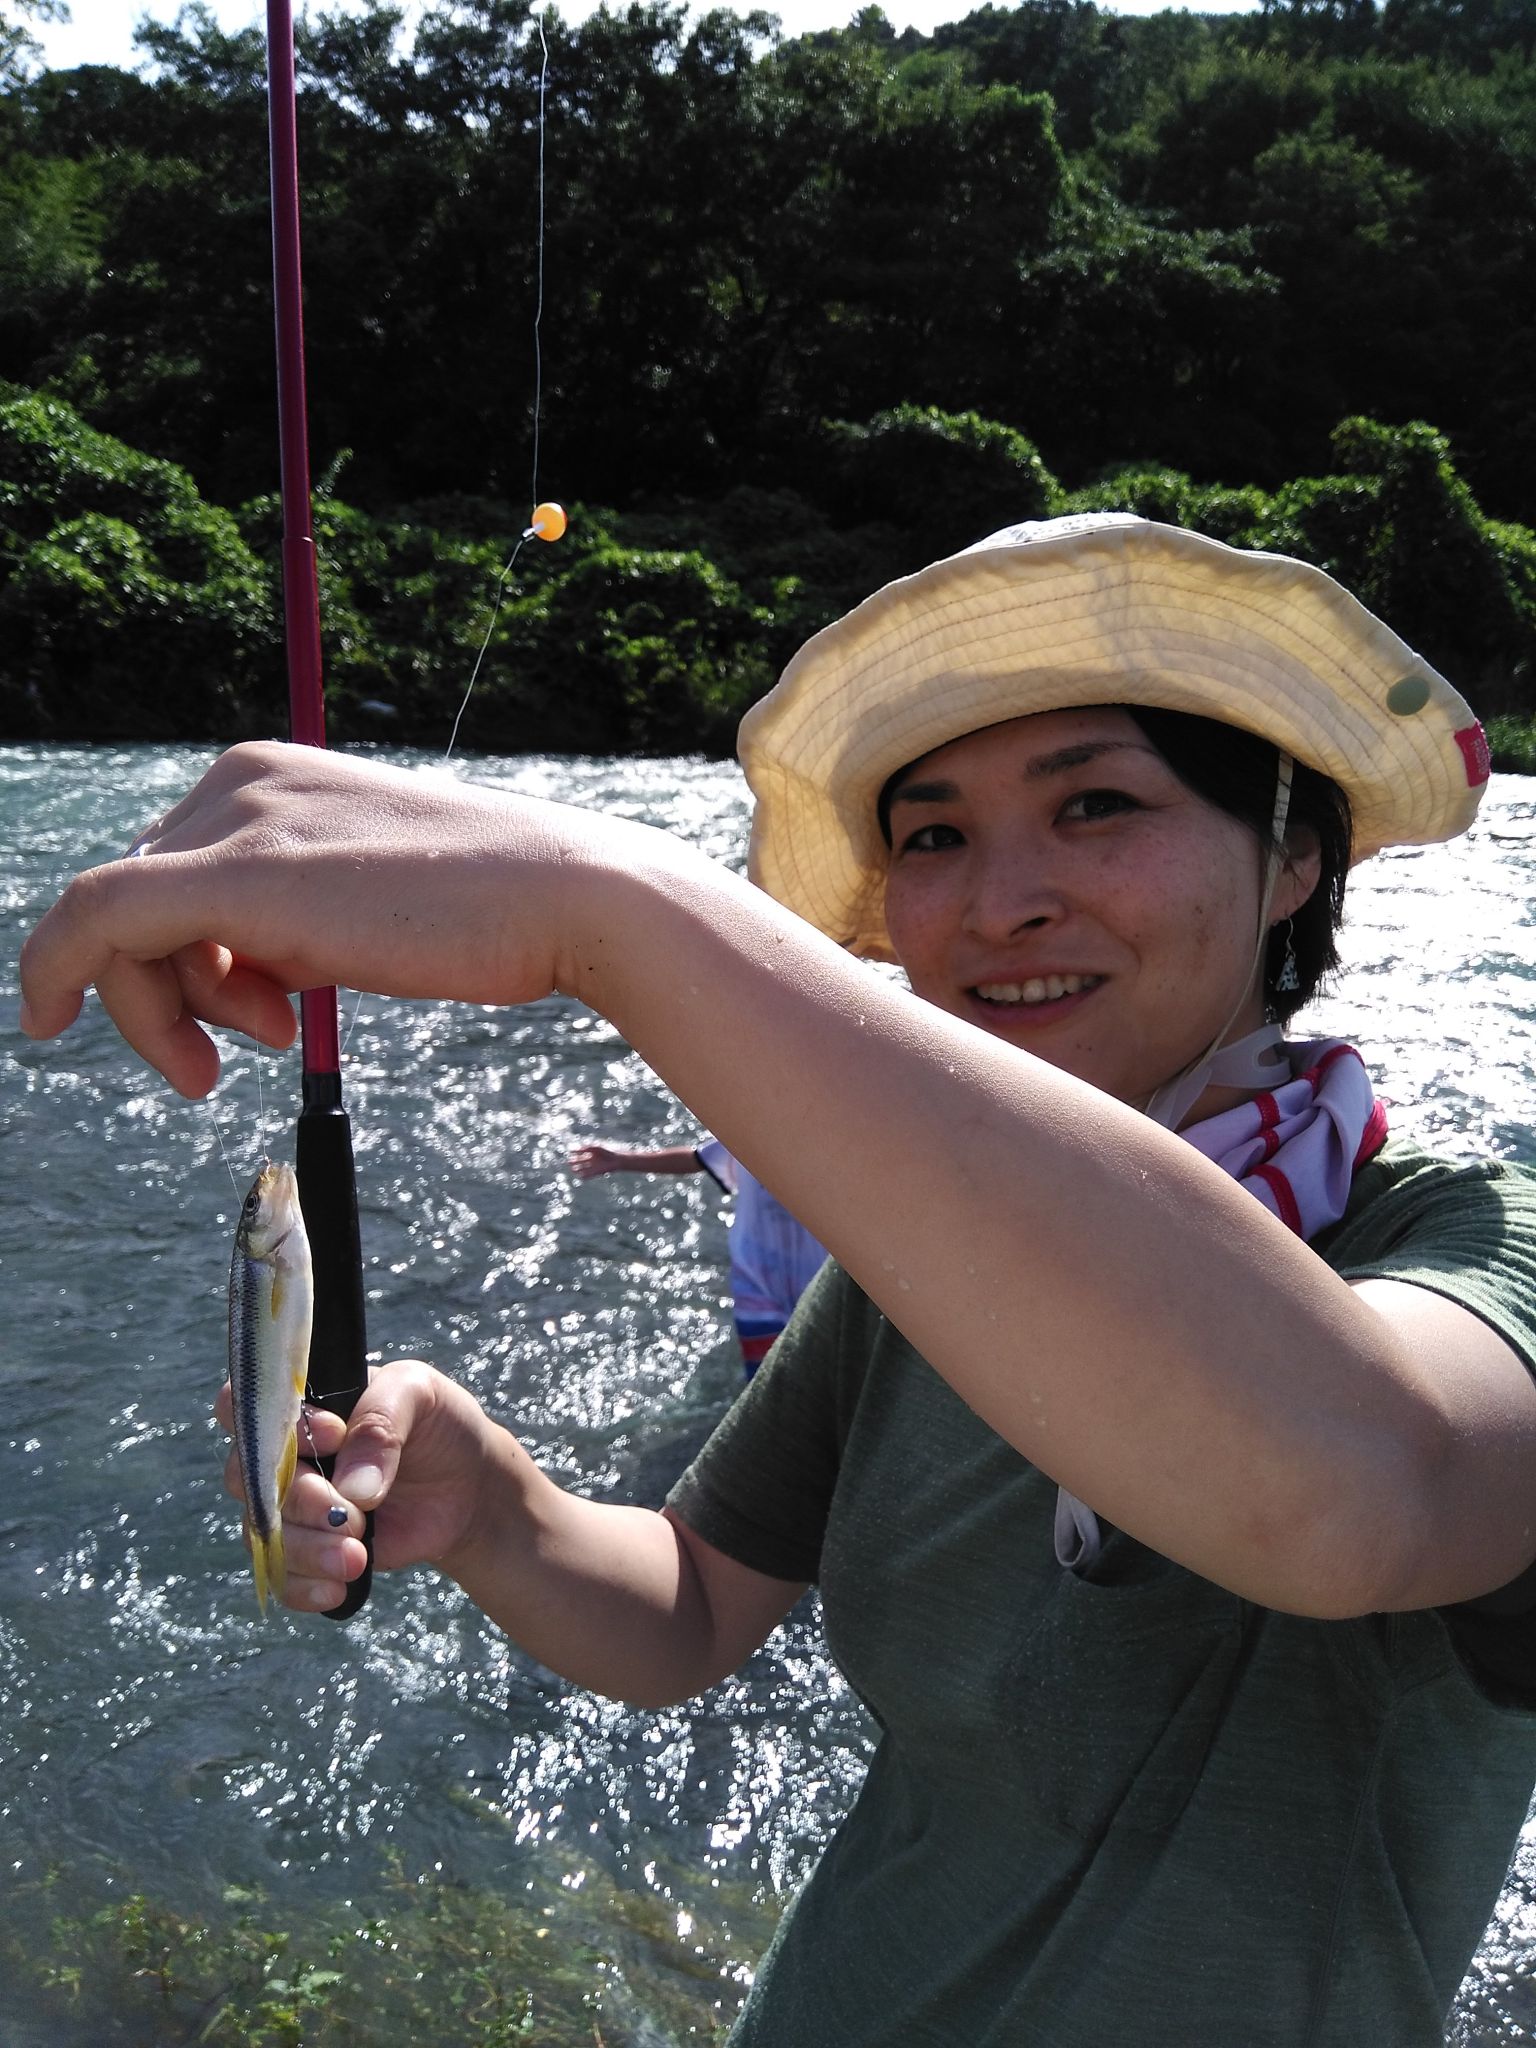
{"points": [[1296, 1146]]}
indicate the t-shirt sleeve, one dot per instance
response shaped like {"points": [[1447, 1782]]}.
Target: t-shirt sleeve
{"points": [[761, 1488], [1469, 1233], [717, 1163]]}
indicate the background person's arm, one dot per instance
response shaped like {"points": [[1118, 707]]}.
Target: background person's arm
{"points": [[590, 1162]]}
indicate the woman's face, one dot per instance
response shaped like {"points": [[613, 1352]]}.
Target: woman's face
{"points": [[1053, 881]]}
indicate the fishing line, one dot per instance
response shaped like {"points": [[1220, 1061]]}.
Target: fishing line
{"points": [[261, 1104], [223, 1148], [548, 521], [336, 1514], [263, 1150], [538, 303]]}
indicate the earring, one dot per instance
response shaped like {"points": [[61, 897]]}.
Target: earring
{"points": [[1287, 981]]}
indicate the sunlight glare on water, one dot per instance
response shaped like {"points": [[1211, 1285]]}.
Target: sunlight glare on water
{"points": [[154, 1730]]}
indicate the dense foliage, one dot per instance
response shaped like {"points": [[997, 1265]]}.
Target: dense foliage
{"points": [[813, 311]]}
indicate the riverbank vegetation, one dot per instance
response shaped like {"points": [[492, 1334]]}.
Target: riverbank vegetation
{"points": [[422, 1960], [815, 310]]}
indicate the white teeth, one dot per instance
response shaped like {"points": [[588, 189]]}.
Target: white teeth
{"points": [[1047, 989]]}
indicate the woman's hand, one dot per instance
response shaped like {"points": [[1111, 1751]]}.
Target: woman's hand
{"points": [[415, 1451], [623, 1600], [290, 868]]}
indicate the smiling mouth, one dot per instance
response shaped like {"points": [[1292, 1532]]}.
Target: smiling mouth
{"points": [[1047, 988]]}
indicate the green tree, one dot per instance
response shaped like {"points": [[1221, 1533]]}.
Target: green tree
{"points": [[1466, 34], [1196, 141], [129, 608], [19, 48], [1070, 49], [1142, 340], [1319, 28], [938, 480], [647, 653], [49, 258]]}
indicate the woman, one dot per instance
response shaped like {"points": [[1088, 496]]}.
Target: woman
{"points": [[1181, 1559]]}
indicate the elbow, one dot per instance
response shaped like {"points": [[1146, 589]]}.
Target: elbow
{"points": [[1373, 1544]]}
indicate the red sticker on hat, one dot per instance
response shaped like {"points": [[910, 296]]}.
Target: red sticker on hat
{"points": [[1473, 742]]}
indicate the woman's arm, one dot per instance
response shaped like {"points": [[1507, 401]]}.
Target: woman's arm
{"points": [[624, 1601], [1116, 1307], [1112, 1304]]}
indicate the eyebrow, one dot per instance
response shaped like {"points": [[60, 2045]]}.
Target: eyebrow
{"points": [[1039, 769]]}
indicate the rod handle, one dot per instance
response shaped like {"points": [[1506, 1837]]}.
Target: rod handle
{"points": [[338, 1352]]}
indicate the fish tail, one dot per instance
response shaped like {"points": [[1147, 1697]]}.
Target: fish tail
{"points": [[268, 1564]]}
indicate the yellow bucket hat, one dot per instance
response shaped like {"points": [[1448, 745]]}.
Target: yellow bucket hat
{"points": [[1101, 608]]}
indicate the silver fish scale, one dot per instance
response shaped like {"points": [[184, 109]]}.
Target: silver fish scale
{"points": [[249, 1283]]}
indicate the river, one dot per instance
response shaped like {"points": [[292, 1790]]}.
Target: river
{"points": [[217, 1826]]}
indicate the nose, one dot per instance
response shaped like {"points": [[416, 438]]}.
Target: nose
{"points": [[1011, 893]]}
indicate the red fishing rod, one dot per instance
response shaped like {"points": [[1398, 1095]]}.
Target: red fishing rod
{"points": [[338, 1359]]}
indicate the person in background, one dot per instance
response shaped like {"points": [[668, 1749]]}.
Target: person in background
{"points": [[773, 1259], [1161, 1433]]}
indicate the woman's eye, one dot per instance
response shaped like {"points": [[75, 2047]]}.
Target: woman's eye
{"points": [[1091, 804], [931, 839]]}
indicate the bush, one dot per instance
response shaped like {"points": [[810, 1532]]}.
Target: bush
{"points": [[1512, 745], [1403, 531], [404, 612], [939, 480], [647, 651], [129, 608], [1142, 488]]}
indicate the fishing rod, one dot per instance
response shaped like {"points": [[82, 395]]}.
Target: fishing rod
{"points": [[338, 1357]]}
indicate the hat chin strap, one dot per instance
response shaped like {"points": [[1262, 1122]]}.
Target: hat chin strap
{"points": [[1253, 1062]]}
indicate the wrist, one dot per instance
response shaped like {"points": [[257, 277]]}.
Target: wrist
{"points": [[496, 1518], [640, 915]]}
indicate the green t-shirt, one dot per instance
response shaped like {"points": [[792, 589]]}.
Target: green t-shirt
{"points": [[1130, 1810]]}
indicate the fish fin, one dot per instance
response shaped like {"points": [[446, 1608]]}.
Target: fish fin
{"points": [[287, 1465], [269, 1565], [275, 1302]]}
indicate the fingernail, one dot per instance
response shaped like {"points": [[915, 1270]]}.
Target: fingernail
{"points": [[25, 1019], [364, 1484]]}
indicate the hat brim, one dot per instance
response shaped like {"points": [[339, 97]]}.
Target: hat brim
{"points": [[1068, 613]]}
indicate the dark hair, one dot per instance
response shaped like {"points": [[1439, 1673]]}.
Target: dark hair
{"points": [[1235, 771]]}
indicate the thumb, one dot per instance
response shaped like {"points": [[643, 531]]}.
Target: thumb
{"points": [[380, 1424]]}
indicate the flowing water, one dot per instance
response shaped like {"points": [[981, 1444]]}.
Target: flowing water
{"points": [[161, 1743]]}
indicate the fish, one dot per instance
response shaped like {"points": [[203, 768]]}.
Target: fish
{"points": [[271, 1313]]}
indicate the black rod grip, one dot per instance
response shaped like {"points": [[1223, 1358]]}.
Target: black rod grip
{"points": [[338, 1352]]}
